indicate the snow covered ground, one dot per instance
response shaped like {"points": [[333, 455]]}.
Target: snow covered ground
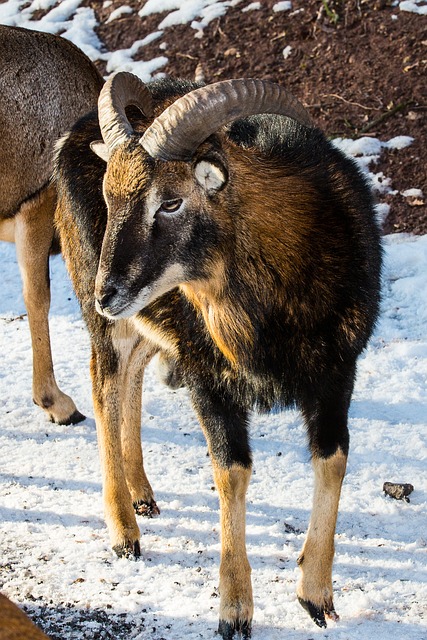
{"points": [[55, 555]]}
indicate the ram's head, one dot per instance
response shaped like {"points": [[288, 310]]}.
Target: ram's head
{"points": [[170, 205]]}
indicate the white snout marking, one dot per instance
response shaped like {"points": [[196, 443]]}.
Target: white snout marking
{"points": [[170, 278], [152, 203]]}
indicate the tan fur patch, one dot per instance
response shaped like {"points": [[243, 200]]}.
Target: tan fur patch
{"points": [[119, 513], [235, 582], [137, 481], [127, 174], [155, 334], [33, 235], [7, 230], [229, 325]]}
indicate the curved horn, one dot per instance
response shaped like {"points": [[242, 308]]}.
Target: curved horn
{"points": [[121, 91], [182, 127]]}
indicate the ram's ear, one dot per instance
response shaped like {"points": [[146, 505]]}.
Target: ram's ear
{"points": [[210, 176], [100, 148]]}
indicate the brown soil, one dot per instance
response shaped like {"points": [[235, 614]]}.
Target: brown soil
{"points": [[359, 66]]}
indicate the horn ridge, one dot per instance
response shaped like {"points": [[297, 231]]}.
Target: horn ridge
{"points": [[182, 127], [120, 91]]}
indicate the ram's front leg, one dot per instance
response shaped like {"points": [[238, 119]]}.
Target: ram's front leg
{"points": [[140, 489], [327, 425], [224, 425], [107, 399]]}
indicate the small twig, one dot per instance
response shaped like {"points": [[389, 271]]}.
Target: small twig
{"points": [[356, 104], [279, 36], [384, 116], [185, 55]]}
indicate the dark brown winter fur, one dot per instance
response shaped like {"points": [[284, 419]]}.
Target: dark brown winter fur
{"points": [[279, 272]]}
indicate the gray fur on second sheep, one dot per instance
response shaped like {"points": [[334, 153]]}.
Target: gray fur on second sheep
{"points": [[46, 84]]}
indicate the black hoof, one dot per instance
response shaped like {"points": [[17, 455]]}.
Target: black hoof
{"points": [[146, 509], [316, 613], [73, 419], [76, 417], [128, 550], [239, 629]]}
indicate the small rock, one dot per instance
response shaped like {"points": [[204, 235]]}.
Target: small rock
{"points": [[398, 491]]}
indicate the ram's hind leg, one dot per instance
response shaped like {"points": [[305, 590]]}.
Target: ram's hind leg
{"points": [[315, 588], [327, 426], [225, 427], [33, 238]]}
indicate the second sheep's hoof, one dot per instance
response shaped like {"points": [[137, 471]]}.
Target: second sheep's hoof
{"points": [[75, 418]]}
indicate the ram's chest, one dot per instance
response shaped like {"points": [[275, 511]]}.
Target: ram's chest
{"points": [[211, 344], [157, 333]]}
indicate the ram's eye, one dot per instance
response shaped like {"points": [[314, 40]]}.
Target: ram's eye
{"points": [[170, 206]]}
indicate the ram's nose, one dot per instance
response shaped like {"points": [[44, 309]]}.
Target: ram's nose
{"points": [[104, 297]]}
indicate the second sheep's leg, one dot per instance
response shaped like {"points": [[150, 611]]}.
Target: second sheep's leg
{"points": [[33, 238]]}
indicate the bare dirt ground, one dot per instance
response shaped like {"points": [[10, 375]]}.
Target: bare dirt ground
{"points": [[358, 68]]}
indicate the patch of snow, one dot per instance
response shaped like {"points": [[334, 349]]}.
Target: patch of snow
{"points": [[414, 6], [9, 12], [120, 11], [159, 6], [122, 60], [282, 6], [399, 142], [42, 5], [187, 11], [366, 151], [208, 14], [412, 193], [364, 146], [55, 20], [254, 6], [81, 31]]}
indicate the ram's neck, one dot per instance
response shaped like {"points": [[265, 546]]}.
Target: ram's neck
{"points": [[271, 220], [226, 318]]}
